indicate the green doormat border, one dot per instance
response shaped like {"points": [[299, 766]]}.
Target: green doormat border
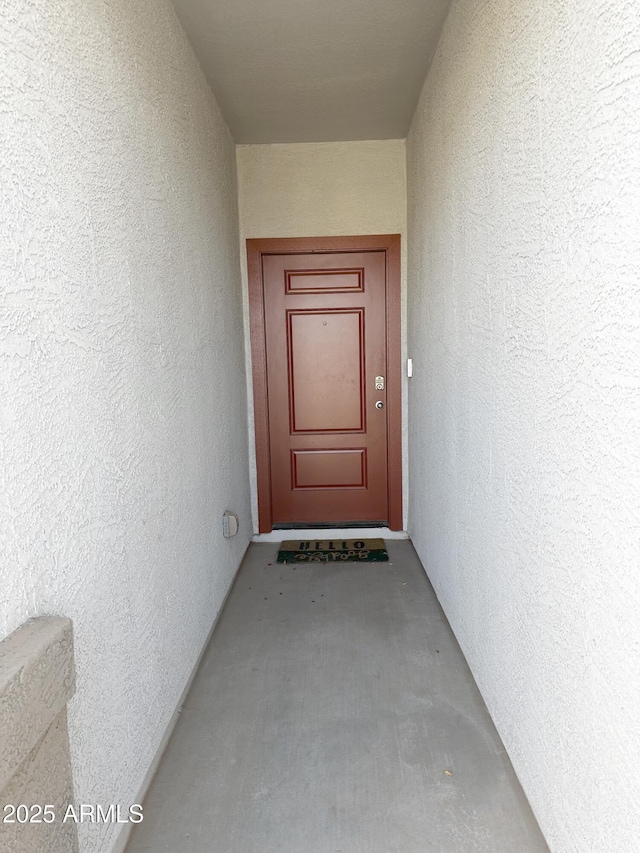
{"points": [[333, 551]]}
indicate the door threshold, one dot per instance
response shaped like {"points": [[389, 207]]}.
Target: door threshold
{"points": [[330, 525], [329, 533]]}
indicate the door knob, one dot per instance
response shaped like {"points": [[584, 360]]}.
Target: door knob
{"points": [[379, 405]]}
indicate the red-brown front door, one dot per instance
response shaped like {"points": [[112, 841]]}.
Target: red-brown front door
{"points": [[325, 335], [325, 331]]}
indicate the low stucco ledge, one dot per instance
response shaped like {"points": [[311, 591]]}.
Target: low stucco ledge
{"points": [[37, 679]]}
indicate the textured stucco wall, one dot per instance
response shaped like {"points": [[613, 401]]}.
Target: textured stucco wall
{"points": [[320, 190], [122, 382], [524, 326]]}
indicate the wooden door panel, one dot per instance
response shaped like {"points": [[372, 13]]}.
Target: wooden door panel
{"points": [[329, 469], [326, 342], [321, 281], [320, 337], [326, 370]]}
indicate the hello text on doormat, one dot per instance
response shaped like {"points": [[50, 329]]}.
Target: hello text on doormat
{"points": [[333, 551]]}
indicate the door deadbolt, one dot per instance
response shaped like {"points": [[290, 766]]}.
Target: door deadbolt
{"points": [[379, 383], [379, 405]]}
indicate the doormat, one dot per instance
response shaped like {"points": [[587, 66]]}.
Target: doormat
{"points": [[333, 551]]}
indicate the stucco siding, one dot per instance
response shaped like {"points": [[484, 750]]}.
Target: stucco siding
{"points": [[122, 381], [524, 431]]}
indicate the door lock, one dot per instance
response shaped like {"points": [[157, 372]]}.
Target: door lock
{"points": [[379, 405], [379, 383]]}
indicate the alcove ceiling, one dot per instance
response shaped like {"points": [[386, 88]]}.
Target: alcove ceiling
{"points": [[314, 70]]}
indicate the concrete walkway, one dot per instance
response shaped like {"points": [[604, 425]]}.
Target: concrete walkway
{"points": [[334, 713]]}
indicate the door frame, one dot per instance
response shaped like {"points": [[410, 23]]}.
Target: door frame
{"points": [[256, 248]]}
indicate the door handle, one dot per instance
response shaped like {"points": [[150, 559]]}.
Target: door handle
{"points": [[379, 405]]}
